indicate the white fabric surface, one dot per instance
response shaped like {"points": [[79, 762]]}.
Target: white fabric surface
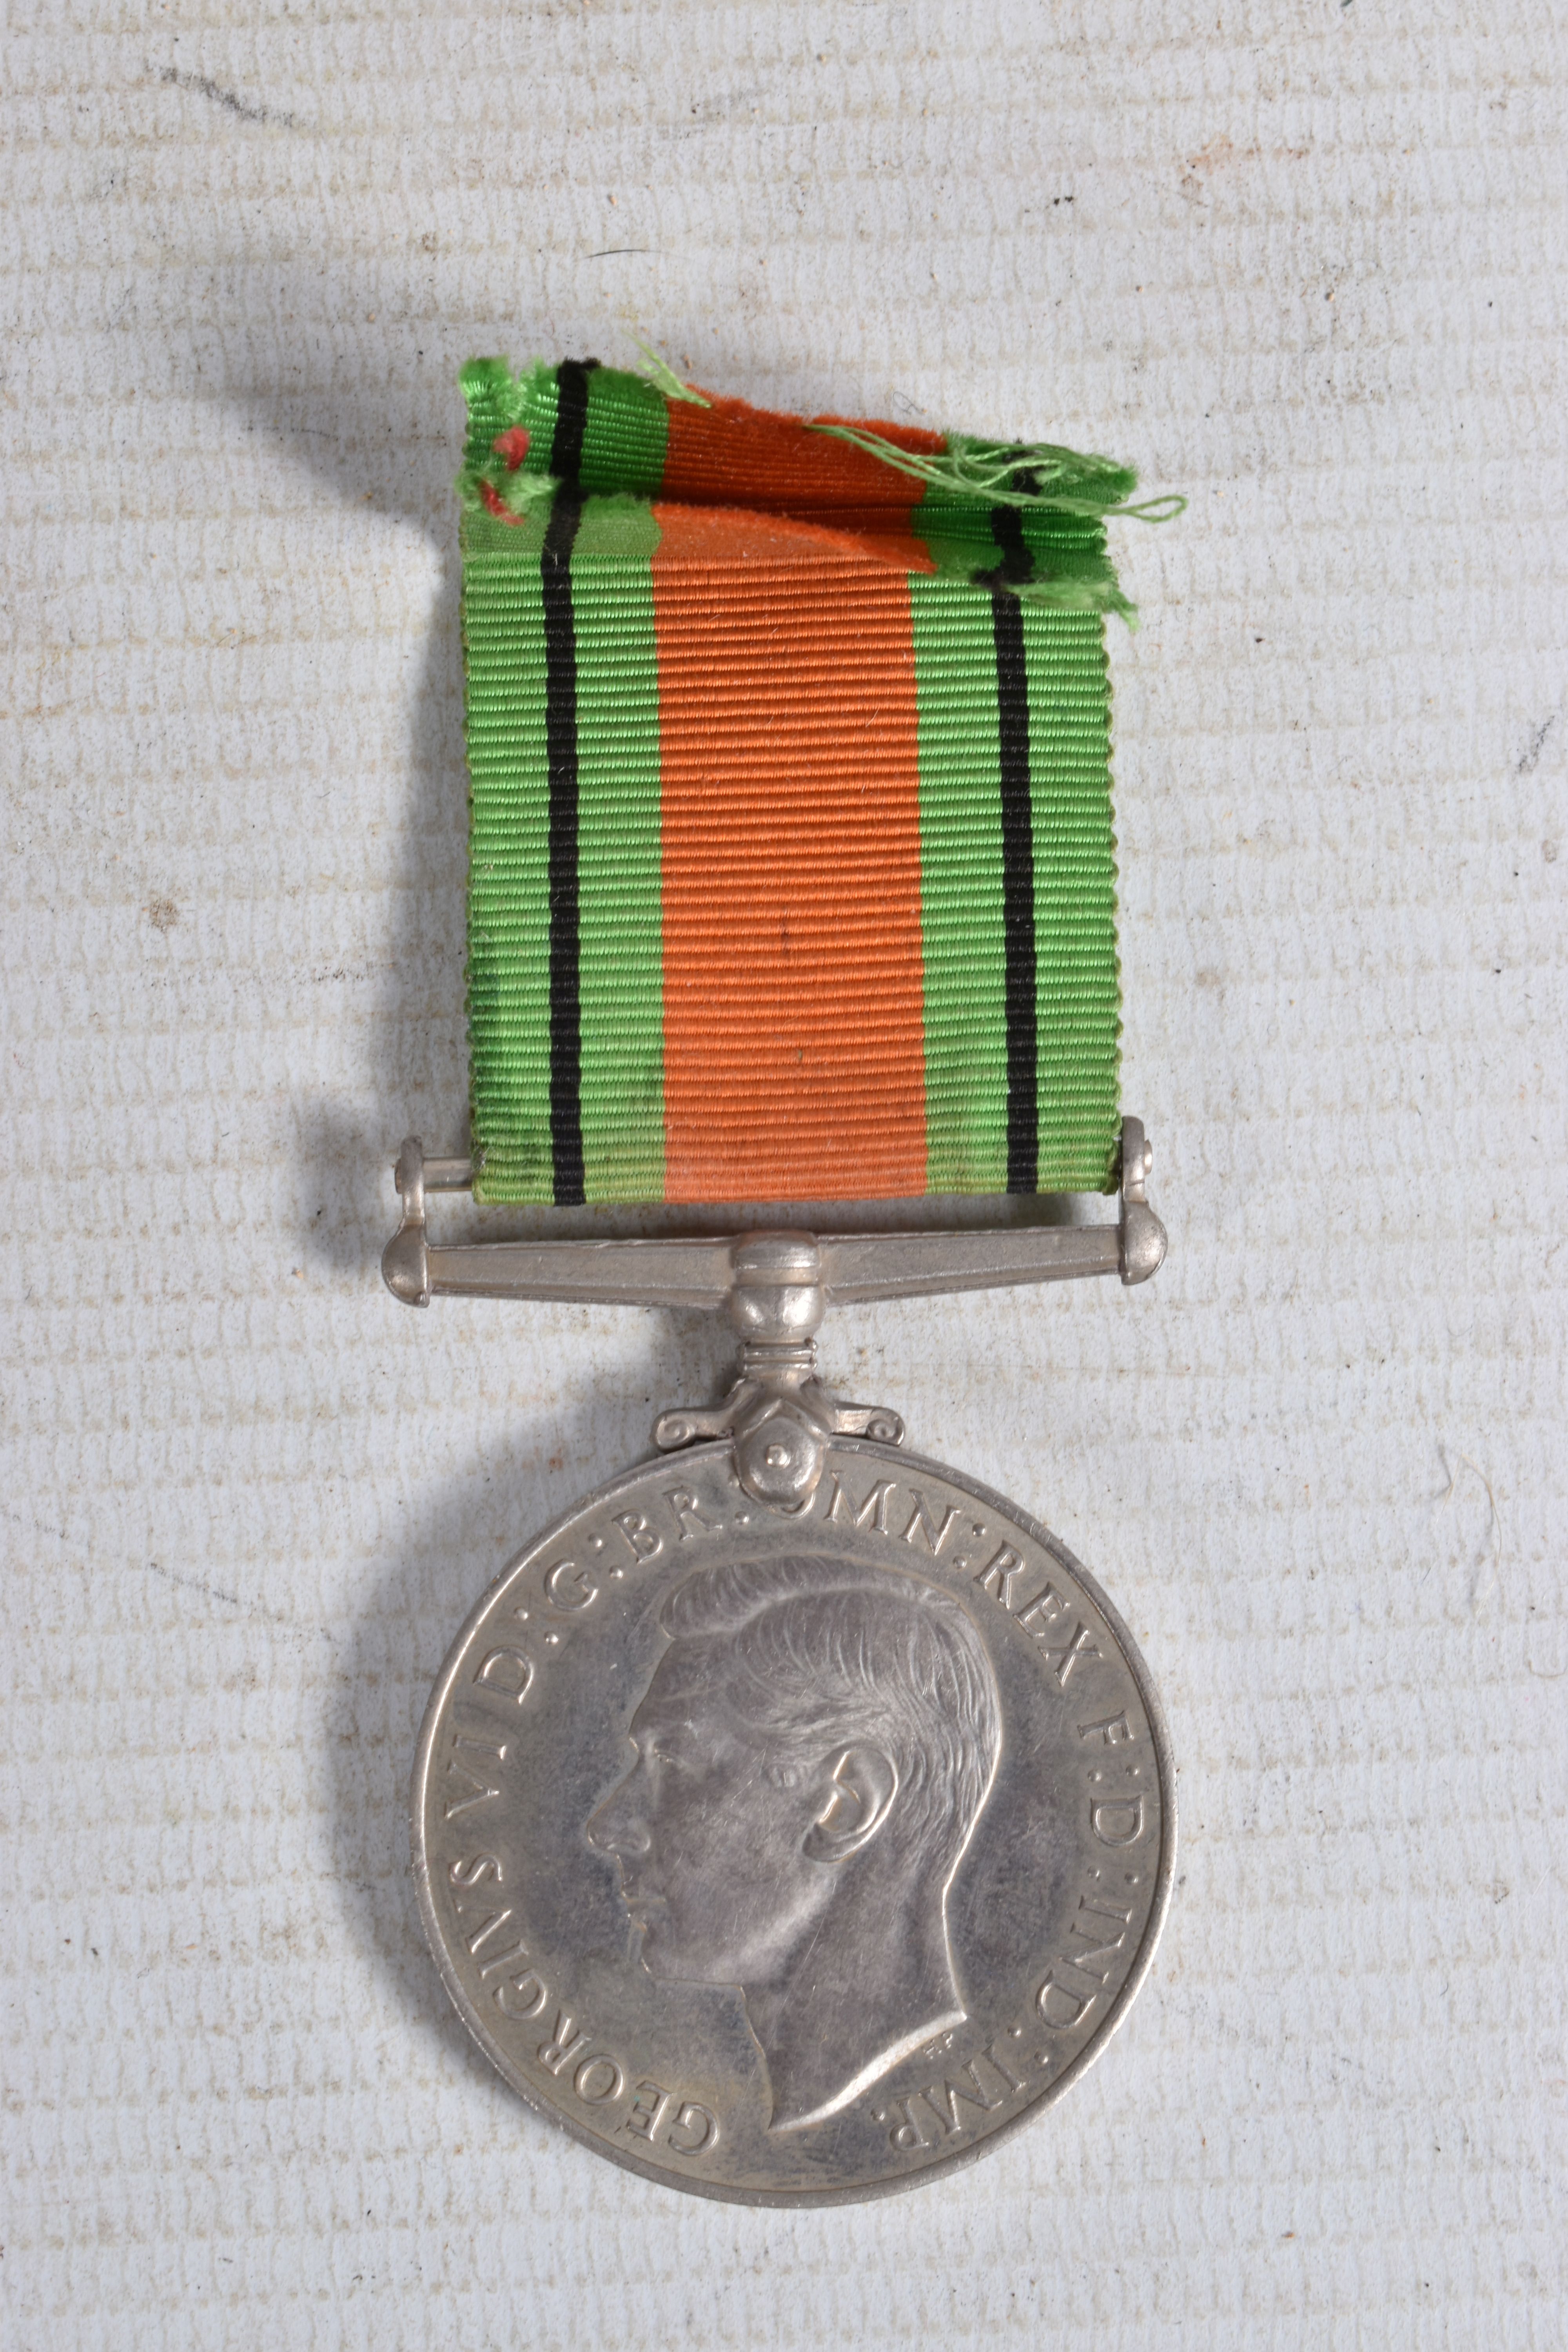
{"points": [[1304, 262]]}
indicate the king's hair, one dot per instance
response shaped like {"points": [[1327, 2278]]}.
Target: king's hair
{"points": [[811, 1653]]}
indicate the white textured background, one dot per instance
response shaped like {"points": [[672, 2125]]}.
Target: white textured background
{"points": [[1309, 263]]}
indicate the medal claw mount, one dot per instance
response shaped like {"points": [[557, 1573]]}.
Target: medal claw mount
{"points": [[778, 1413], [778, 1287]]}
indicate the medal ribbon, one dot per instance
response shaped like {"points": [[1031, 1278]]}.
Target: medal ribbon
{"points": [[792, 864]]}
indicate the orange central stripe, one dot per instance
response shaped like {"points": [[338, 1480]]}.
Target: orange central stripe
{"points": [[794, 1034], [730, 454]]}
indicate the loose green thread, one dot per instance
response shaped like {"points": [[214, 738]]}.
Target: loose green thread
{"points": [[663, 378], [1017, 474]]}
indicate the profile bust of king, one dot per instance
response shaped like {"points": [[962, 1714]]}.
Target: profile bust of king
{"points": [[811, 1757]]}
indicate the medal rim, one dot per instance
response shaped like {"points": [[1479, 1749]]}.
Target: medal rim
{"points": [[1048, 2094]]}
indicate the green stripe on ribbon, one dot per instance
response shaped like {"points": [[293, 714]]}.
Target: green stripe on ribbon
{"points": [[627, 435], [1077, 980], [618, 851], [509, 897]]}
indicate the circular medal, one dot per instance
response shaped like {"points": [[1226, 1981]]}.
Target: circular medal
{"points": [[793, 1855]]}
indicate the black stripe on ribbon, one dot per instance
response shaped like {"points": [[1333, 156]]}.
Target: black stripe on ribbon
{"points": [[1017, 562], [570, 418], [561, 757], [1017, 889]]}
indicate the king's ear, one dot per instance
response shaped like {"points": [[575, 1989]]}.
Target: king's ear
{"points": [[858, 1794]]}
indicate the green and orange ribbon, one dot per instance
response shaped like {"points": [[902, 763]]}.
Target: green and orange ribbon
{"points": [[792, 864]]}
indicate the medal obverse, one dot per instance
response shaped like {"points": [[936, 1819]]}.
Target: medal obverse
{"points": [[792, 1856]]}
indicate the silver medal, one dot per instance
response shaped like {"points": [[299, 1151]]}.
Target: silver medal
{"points": [[795, 1816]]}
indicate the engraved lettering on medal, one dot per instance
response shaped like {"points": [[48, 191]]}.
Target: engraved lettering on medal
{"points": [[464, 1877], [1000, 1574], [565, 2045], [665, 2119], [908, 2118], [1042, 1612], [1014, 2082], [508, 1670], [472, 1871], [643, 1541], [645, 2118], [1100, 1926], [1038, 1617], [522, 1997], [597, 2080], [1093, 1923], [697, 2127], [1117, 1821], [871, 1513], [1039, 1621], [1111, 1730], [477, 1790], [1072, 2007], [567, 1586], [969, 2086], [657, 2116], [488, 1927], [922, 1524], [685, 1506], [938, 2103], [483, 1747], [1079, 1644], [507, 1958]]}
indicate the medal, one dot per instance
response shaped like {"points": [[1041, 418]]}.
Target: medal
{"points": [[795, 1816]]}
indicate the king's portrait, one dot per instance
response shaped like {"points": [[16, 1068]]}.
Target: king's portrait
{"points": [[810, 1760]]}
